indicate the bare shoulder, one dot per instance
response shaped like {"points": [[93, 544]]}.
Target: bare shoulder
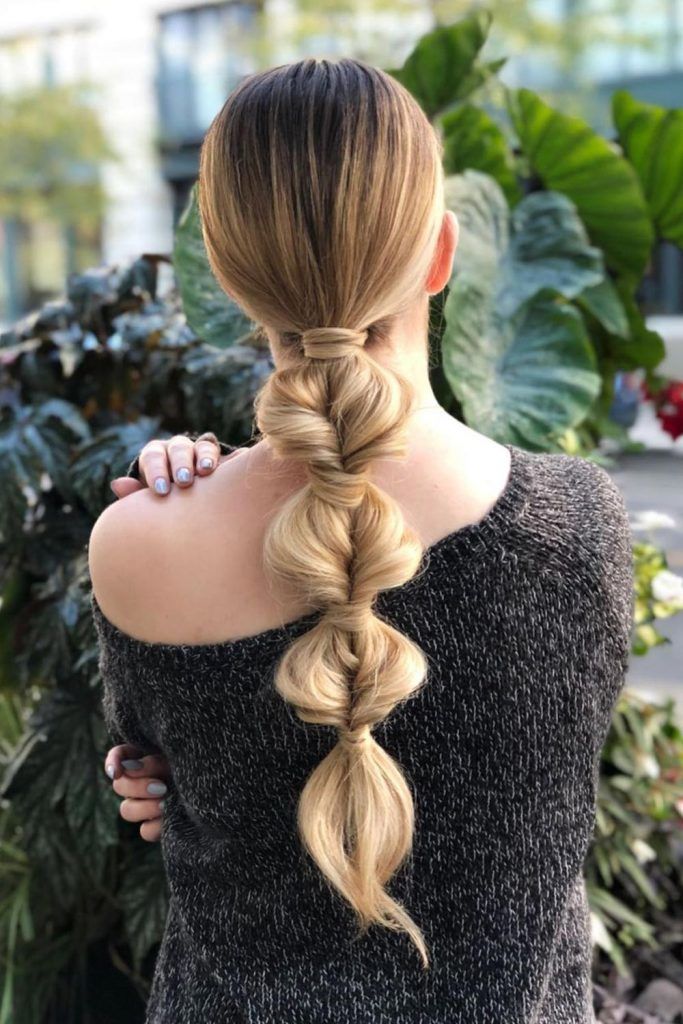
{"points": [[178, 568], [126, 547]]}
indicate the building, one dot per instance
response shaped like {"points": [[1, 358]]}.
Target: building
{"points": [[161, 69]]}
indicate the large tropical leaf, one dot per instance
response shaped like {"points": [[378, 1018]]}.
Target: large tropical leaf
{"points": [[570, 157], [35, 449], [106, 456], [640, 347], [652, 138], [444, 67], [57, 774], [143, 898], [516, 356], [602, 301], [212, 315], [473, 141], [541, 245]]}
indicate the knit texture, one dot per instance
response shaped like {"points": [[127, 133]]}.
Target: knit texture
{"points": [[525, 618]]}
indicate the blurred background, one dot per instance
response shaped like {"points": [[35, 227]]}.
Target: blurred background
{"points": [[113, 331], [105, 102], [104, 105]]}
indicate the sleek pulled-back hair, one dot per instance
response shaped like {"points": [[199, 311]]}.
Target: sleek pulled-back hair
{"points": [[321, 201]]}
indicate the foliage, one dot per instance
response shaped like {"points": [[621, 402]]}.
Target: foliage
{"points": [[659, 595], [472, 138], [519, 361], [634, 874], [208, 309], [610, 198], [86, 380], [652, 139], [569, 157], [51, 146], [445, 67], [626, 196]]}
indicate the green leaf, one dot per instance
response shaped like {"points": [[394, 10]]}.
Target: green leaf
{"points": [[214, 317], [523, 378], [631, 866], [517, 358], [652, 139], [541, 246], [642, 347], [549, 249], [473, 141], [35, 440], [106, 456], [603, 302], [614, 908], [570, 157], [57, 774], [602, 861], [443, 68], [143, 898]]}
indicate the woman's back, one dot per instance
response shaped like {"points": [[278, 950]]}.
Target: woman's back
{"points": [[524, 618]]}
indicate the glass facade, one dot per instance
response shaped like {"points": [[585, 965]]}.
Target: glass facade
{"points": [[202, 56]]}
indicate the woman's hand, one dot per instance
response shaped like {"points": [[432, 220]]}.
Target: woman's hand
{"points": [[142, 781], [177, 459]]}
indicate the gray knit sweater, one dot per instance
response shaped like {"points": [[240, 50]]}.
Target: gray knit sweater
{"points": [[525, 618]]}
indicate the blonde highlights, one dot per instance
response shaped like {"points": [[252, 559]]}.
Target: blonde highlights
{"points": [[321, 199]]}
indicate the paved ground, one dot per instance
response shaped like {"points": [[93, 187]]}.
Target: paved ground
{"points": [[654, 480]]}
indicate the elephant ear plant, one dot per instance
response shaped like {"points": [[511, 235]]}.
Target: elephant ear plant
{"points": [[516, 356], [540, 313], [617, 190]]}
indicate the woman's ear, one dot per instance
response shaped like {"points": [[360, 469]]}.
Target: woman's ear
{"points": [[442, 264]]}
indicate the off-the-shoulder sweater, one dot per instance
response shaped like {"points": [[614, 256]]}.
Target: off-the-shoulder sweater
{"points": [[525, 618]]}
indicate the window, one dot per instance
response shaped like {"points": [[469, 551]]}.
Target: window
{"points": [[203, 53]]}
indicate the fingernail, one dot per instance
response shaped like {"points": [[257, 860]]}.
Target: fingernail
{"points": [[206, 463], [156, 788], [183, 476], [132, 764], [161, 485], [110, 770], [162, 804]]}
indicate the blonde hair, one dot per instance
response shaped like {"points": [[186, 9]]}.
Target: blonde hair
{"points": [[321, 201]]}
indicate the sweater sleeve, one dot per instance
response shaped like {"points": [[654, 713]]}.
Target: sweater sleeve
{"points": [[120, 716], [610, 537]]}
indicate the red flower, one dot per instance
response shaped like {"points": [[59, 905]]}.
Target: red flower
{"points": [[668, 404]]}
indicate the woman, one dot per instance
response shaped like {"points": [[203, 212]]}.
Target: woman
{"points": [[377, 651]]}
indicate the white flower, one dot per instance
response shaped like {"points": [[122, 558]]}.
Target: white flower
{"points": [[30, 495], [599, 934], [667, 586], [651, 519], [647, 765], [643, 851]]}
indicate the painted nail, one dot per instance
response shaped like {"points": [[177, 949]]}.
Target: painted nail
{"points": [[206, 463], [161, 485], [132, 764], [156, 788], [183, 476], [162, 804], [110, 770]]}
